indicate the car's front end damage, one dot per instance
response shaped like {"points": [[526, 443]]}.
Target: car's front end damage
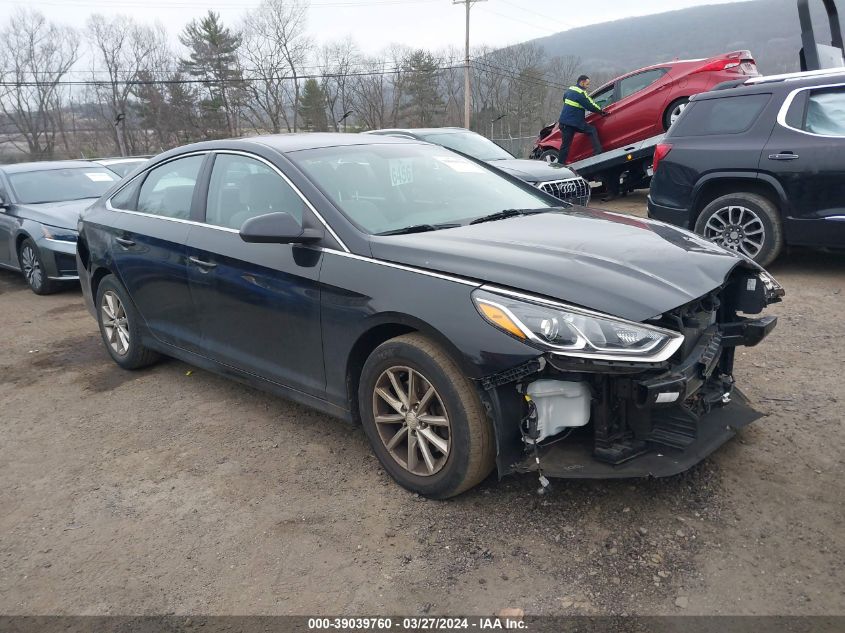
{"points": [[582, 409]]}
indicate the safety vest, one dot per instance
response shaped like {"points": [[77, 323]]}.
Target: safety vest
{"points": [[575, 104]]}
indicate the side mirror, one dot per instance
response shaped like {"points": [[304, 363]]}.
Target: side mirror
{"points": [[4, 204], [277, 228]]}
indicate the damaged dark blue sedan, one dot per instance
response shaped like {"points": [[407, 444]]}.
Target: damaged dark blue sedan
{"points": [[464, 317]]}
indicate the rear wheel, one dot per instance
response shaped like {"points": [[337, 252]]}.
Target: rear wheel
{"points": [[550, 155], [424, 418], [674, 111], [33, 270], [743, 222], [120, 326]]}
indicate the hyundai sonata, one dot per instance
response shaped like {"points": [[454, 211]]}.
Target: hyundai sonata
{"points": [[464, 317]]}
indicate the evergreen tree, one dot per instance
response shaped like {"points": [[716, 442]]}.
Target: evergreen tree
{"points": [[425, 104], [214, 59], [312, 106]]}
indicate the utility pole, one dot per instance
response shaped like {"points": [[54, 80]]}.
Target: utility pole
{"points": [[467, 86]]}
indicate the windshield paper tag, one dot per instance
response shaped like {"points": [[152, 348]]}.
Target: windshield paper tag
{"points": [[98, 177], [460, 164], [401, 171]]}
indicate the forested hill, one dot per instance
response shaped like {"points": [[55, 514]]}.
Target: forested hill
{"points": [[768, 28]]}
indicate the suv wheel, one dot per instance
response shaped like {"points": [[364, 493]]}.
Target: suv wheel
{"points": [[743, 222], [424, 418]]}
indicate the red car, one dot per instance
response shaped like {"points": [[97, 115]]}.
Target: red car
{"points": [[644, 103]]}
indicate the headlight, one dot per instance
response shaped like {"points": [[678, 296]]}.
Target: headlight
{"points": [[773, 288], [60, 235], [572, 331]]}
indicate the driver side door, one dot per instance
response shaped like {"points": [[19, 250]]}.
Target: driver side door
{"points": [[258, 305]]}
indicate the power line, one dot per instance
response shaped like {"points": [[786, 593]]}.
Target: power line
{"points": [[184, 4], [532, 76], [509, 17], [240, 80], [548, 17]]}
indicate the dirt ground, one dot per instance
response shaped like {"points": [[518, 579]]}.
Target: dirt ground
{"points": [[171, 490]]}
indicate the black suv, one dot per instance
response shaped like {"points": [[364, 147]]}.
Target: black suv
{"points": [[758, 164]]}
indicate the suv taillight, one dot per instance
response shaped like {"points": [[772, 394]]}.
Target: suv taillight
{"points": [[660, 153]]}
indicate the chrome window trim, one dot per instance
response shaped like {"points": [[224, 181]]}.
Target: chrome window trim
{"points": [[292, 186], [143, 174], [788, 103], [307, 202]]}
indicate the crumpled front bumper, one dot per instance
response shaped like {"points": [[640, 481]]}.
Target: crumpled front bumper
{"points": [[674, 419], [575, 460]]}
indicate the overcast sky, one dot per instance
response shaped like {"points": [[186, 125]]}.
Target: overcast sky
{"points": [[375, 24]]}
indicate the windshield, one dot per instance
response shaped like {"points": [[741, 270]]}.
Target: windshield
{"points": [[389, 187], [60, 185], [124, 167], [469, 143]]}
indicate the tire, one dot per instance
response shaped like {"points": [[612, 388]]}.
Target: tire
{"points": [[467, 433], [738, 220], [549, 155], [673, 111], [32, 267], [123, 338]]}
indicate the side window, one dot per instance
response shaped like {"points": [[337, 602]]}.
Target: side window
{"points": [[242, 188], [726, 115], [826, 112], [640, 81], [168, 190], [125, 198], [604, 97]]}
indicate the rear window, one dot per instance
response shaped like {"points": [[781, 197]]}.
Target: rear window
{"points": [[728, 115], [826, 112]]}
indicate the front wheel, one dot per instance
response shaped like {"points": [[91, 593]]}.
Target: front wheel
{"points": [[33, 270], [550, 155], [424, 418], [743, 222]]}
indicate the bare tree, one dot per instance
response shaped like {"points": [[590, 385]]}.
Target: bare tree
{"points": [[123, 50], [274, 52], [35, 57], [339, 61]]}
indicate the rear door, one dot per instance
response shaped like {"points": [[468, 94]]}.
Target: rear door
{"points": [[148, 234], [638, 111], [806, 153], [258, 304]]}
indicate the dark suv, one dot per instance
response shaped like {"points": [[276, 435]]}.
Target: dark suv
{"points": [[758, 164]]}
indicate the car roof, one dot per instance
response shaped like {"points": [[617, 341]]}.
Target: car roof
{"points": [[771, 83], [420, 130], [120, 159], [285, 143], [45, 165]]}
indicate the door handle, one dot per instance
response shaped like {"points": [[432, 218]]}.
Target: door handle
{"points": [[202, 264], [783, 156], [125, 243]]}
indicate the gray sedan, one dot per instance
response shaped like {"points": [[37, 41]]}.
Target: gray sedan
{"points": [[40, 205]]}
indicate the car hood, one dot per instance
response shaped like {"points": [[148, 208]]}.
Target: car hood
{"points": [[64, 215], [534, 170], [620, 265]]}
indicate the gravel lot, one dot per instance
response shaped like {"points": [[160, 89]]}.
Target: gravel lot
{"points": [[171, 490]]}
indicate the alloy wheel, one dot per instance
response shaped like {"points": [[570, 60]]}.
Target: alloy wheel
{"points": [[411, 420], [115, 322], [676, 112], [31, 266], [736, 228]]}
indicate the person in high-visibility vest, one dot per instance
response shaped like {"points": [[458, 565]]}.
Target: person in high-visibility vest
{"points": [[576, 102]]}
